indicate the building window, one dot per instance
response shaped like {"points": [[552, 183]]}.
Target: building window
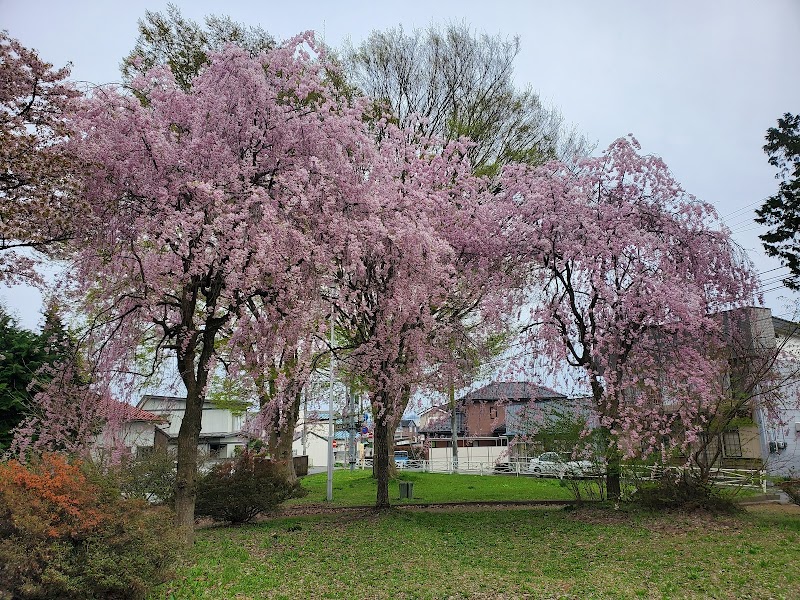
{"points": [[732, 444], [492, 412], [216, 450]]}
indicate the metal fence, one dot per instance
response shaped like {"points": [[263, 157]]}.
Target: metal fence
{"points": [[462, 466], [744, 478]]}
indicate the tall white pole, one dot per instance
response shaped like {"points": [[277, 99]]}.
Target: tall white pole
{"points": [[330, 420]]}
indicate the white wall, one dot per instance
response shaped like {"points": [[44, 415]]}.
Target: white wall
{"points": [[138, 434], [213, 420], [786, 461], [316, 448], [487, 455]]}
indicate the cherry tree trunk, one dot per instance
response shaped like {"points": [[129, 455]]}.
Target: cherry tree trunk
{"points": [[381, 461], [613, 472], [281, 437], [280, 448], [392, 423], [186, 480]]}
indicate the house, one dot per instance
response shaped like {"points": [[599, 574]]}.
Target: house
{"points": [[759, 395], [220, 428], [126, 426], [406, 432], [431, 417], [780, 432], [482, 430], [486, 408], [311, 439]]}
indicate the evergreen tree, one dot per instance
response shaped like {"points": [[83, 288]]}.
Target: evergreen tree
{"points": [[781, 212], [21, 355]]}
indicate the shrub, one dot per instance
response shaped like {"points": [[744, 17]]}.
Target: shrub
{"points": [[681, 490], [238, 490], [63, 536], [150, 477], [792, 489]]}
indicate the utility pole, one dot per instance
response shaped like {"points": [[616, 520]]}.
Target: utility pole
{"points": [[330, 418], [451, 397], [351, 406]]}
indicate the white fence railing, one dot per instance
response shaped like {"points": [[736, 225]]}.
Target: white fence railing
{"points": [[462, 466], [745, 478]]}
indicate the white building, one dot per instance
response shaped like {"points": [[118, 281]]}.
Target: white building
{"points": [[220, 428], [781, 441], [311, 439], [137, 431]]}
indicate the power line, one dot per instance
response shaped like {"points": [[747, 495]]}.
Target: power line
{"points": [[777, 287], [743, 208], [771, 270]]}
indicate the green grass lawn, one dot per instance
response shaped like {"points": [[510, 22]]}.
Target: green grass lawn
{"points": [[358, 488], [521, 553]]}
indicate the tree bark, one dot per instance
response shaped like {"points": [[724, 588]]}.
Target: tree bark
{"points": [[193, 367], [613, 470], [609, 408], [282, 436], [380, 460], [186, 480]]}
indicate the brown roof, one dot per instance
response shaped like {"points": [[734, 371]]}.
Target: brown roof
{"points": [[512, 390], [128, 412]]}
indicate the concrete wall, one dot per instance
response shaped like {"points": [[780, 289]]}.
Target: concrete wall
{"points": [[488, 455]]}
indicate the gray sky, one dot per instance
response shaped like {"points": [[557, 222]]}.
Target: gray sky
{"points": [[697, 83]]}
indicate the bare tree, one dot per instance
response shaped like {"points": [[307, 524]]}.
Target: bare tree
{"points": [[451, 82]]}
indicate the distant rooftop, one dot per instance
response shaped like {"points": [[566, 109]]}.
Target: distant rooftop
{"points": [[512, 390], [127, 412]]}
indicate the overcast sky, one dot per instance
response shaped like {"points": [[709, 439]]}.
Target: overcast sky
{"points": [[697, 83]]}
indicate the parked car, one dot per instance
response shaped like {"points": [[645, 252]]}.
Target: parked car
{"points": [[554, 465], [401, 459]]}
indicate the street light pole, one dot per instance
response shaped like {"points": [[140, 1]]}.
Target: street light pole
{"points": [[330, 419]]}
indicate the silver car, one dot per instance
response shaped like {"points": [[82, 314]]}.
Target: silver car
{"points": [[554, 465]]}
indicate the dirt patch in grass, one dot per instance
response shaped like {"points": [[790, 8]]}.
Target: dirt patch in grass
{"points": [[673, 522], [600, 516], [318, 509], [677, 523], [774, 508]]}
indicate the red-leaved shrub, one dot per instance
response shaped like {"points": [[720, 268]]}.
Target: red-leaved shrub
{"points": [[64, 536]]}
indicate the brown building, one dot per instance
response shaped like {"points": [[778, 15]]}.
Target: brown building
{"points": [[485, 409]]}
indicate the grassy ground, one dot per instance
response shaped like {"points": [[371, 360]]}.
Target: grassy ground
{"points": [[358, 488], [531, 553]]}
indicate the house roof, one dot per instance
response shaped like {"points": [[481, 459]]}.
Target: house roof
{"points": [[177, 401], [784, 327], [435, 407], [128, 412], [511, 390]]}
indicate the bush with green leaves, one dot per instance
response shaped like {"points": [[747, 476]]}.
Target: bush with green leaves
{"points": [[150, 477], [240, 489], [679, 489], [64, 536]]}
